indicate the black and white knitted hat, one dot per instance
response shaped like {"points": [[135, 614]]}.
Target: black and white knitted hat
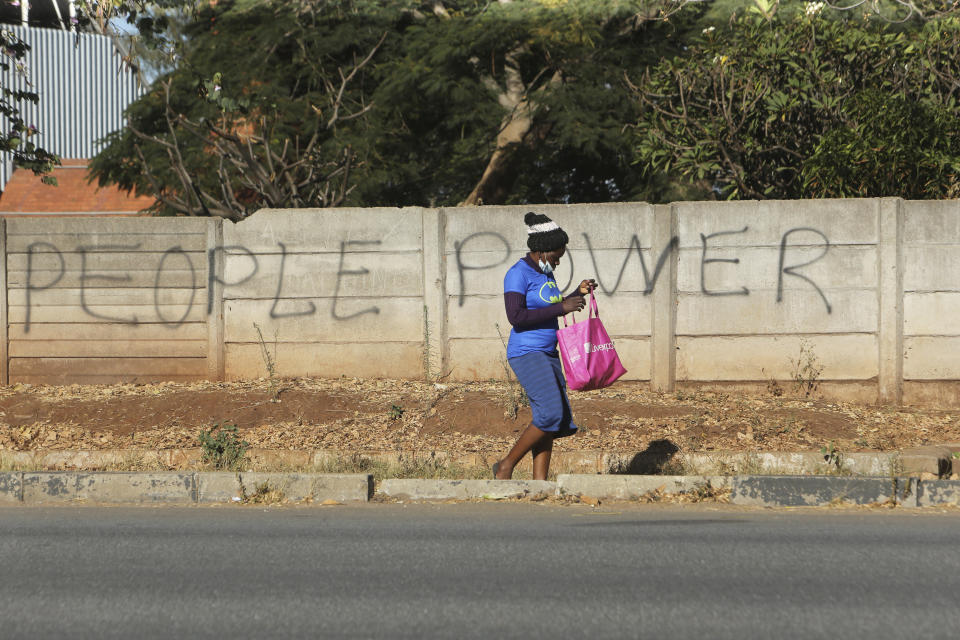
{"points": [[543, 234]]}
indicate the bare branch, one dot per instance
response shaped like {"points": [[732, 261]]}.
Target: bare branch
{"points": [[346, 80]]}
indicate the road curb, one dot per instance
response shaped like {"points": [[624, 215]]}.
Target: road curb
{"points": [[11, 487], [412, 489], [934, 493], [922, 460], [630, 487], [797, 491], [47, 487], [18, 487]]}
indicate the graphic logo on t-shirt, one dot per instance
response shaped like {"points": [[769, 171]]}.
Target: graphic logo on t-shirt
{"points": [[553, 290]]}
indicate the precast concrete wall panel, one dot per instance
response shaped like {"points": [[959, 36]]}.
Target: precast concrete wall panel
{"points": [[609, 242], [359, 319], [324, 292], [326, 360], [380, 274], [764, 223], [709, 359], [328, 230], [761, 281], [760, 314], [931, 290], [936, 313], [94, 300], [759, 268], [931, 358]]}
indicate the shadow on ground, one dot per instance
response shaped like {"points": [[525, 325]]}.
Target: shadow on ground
{"points": [[656, 459]]}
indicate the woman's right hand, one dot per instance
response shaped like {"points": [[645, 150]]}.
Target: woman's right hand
{"points": [[573, 303]]}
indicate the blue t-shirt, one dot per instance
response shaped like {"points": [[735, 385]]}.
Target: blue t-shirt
{"points": [[540, 290]]}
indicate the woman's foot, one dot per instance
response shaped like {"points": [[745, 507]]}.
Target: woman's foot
{"points": [[501, 471]]}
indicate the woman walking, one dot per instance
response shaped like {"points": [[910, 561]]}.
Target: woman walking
{"points": [[533, 302]]}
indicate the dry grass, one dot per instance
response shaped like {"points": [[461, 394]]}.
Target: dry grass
{"points": [[701, 493], [424, 468]]}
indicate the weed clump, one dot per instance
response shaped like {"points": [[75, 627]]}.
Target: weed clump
{"points": [[221, 447], [807, 371], [263, 493]]}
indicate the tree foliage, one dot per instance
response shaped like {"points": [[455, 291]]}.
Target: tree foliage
{"points": [[515, 102], [446, 102], [16, 136], [887, 144], [490, 101], [252, 116], [808, 106]]}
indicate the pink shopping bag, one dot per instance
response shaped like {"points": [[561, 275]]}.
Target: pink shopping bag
{"points": [[589, 359]]}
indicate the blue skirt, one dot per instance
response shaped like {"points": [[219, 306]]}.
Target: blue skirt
{"points": [[542, 378]]}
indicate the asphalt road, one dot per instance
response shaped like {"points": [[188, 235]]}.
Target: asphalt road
{"points": [[477, 571]]}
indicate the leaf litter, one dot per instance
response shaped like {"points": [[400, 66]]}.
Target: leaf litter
{"points": [[353, 414]]}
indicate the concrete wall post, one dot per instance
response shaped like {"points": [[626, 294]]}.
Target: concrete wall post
{"points": [[663, 310], [215, 279], [890, 300], [435, 347]]}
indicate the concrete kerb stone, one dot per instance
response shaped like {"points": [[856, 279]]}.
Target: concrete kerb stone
{"points": [[177, 488], [352, 487], [121, 486], [628, 487], [934, 459], [218, 486], [347, 487], [11, 487], [936, 493], [789, 463], [794, 491], [49, 486], [413, 489], [871, 464]]}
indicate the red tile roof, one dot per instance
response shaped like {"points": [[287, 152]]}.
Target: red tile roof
{"points": [[25, 193]]}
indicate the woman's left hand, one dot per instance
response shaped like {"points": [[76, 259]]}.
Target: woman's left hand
{"points": [[587, 286]]}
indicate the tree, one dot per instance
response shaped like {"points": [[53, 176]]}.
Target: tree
{"points": [[764, 108], [252, 116], [887, 145], [897, 11], [16, 137], [463, 101], [516, 102]]}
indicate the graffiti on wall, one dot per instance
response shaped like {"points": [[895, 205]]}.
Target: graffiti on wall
{"points": [[650, 279], [176, 257]]}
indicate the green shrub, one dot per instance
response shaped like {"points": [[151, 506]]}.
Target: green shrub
{"points": [[222, 447]]}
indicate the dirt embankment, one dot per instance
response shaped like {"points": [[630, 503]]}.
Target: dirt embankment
{"points": [[391, 415]]}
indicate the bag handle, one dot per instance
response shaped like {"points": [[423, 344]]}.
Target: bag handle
{"points": [[592, 311]]}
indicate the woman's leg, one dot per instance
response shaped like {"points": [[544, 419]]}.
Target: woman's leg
{"points": [[530, 438], [541, 458]]}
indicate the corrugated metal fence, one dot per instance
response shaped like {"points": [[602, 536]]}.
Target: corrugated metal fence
{"points": [[83, 91]]}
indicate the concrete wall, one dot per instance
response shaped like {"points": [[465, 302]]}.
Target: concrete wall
{"points": [[103, 300], [728, 293]]}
